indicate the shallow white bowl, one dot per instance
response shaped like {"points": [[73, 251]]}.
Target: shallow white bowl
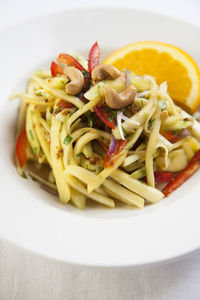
{"points": [[34, 219]]}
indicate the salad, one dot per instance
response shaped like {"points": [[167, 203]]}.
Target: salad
{"points": [[88, 130]]}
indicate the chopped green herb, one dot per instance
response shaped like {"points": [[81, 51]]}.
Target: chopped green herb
{"points": [[162, 104], [39, 93], [35, 149], [131, 146], [112, 114], [67, 139], [33, 179], [90, 118], [24, 175], [130, 135], [150, 123], [56, 110], [124, 130], [31, 134], [79, 154], [86, 74], [124, 109], [142, 102], [90, 123], [175, 132], [100, 168]]}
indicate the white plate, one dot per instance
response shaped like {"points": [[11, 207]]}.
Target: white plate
{"points": [[35, 220]]}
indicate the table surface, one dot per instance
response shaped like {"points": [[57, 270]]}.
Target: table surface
{"points": [[25, 276]]}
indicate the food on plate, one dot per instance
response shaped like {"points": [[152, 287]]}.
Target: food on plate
{"points": [[111, 132]]}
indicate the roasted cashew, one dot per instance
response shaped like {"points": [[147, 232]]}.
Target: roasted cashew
{"points": [[123, 99], [76, 78], [102, 72]]}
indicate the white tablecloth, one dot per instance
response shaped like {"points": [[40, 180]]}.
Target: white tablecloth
{"points": [[25, 276]]}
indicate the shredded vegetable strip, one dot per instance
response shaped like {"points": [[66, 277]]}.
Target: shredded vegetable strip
{"points": [[57, 163], [41, 136], [144, 190], [94, 195], [150, 152]]}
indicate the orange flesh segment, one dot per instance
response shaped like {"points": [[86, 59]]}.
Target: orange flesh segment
{"points": [[166, 63]]}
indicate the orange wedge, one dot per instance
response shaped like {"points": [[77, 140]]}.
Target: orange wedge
{"points": [[166, 63]]}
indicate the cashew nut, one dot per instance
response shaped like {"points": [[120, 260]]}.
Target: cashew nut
{"points": [[102, 72], [76, 78], [123, 99]]}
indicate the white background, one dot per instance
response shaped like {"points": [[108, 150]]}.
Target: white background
{"points": [[25, 276]]}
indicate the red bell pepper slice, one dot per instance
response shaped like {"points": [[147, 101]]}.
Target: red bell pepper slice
{"points": [[94, 57], [185, 174], [56, 69], [110, 159], [64, 104], [67, 59], [103, 115], [120, 146], [173, 138], [21, 147], [162, 176]]}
